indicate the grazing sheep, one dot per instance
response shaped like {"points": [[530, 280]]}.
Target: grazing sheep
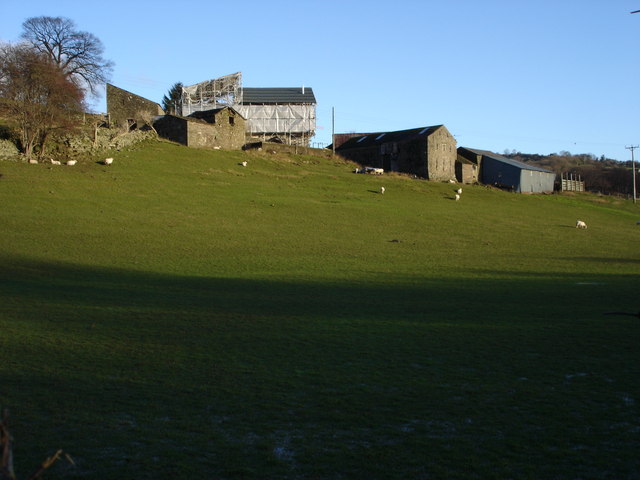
{"points": [[33, 161], [459, 191], [108, 161], [55, 162], [382, 190], [72, 162], [581, 224], [451, 180], [244, 164], [457, 197]]}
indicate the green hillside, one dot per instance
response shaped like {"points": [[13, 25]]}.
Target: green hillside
{"points": [[179, 315]]}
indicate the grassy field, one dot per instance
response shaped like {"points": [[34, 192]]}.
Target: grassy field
{"points": [[176, 315]]}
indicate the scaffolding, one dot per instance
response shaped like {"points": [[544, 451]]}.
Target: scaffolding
{"points": [[292, 122], [217, 93]]}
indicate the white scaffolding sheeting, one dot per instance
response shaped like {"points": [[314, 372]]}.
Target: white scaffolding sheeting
{"points": [[279, 118]]}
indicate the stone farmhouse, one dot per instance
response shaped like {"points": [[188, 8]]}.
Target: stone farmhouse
{"points": [[506, 173], [427, 152]]}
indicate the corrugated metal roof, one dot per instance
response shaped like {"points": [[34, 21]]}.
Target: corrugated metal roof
{"points": [[509, 161], [278, 95], [386, 137]]}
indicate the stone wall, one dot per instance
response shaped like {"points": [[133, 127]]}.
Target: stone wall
{"points": [[441, 155], [222, 128], [431, 156], [126, 109]]}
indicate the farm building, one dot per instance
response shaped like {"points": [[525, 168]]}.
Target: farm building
{"points": [[510, 174], [217, 128], [128, 109], [468, 171], [285, 115], [428, 152]]}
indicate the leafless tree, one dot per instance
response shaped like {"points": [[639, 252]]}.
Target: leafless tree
{"points": [[38, 96], [77, 53]]}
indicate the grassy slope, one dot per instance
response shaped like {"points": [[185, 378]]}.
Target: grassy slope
{"points": [[178, 314]]}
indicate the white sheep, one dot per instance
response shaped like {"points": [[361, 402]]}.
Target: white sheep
{"points": [[55, 162], [71, 163], [459, 191], [244, 164], [382, 190], [108, 161], [33, 161], [581, 224], [457, 197]]}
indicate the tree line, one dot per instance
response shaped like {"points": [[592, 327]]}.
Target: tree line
{"points": [[46, 78], [600, 174]]}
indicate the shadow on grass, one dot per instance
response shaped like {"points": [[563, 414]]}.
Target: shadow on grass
{"points": [[145, 375]]}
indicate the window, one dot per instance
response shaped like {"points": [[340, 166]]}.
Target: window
{"points": [[232, 120]]}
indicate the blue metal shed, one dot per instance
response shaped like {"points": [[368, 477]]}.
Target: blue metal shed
{"points": [[519, 177]]}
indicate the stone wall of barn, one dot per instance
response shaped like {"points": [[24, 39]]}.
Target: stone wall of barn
{"points": [[467, 172], [172, 128], [125, 109], [225, 131], [441, 155]]}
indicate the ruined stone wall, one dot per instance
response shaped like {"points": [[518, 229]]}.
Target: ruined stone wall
{"points": [[172, 128], [441, 155], [224, 129], [124, 107]]}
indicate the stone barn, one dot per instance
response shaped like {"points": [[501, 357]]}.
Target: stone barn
{"points": [[127, 109], [216, 128], [468, 166], [503, 172], [428, 152]]}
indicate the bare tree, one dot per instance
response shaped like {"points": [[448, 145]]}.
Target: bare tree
{"points": [[38, 96], [77, 53]]}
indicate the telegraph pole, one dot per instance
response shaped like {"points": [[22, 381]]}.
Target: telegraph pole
{"points": [[333, 130], [633, 169]]}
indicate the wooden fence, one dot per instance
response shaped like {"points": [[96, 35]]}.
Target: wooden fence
{"points": [[571, 183]]}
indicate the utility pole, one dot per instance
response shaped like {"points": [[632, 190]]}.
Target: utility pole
{"points": [[333, 130], [633, 169]]}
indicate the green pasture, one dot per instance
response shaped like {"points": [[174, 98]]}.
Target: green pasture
{"points": [[177, 315]]}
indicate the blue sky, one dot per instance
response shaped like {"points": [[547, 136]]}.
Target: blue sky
{"points": [[533, 76]]}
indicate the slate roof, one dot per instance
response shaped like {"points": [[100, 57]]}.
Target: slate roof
{"points": [[278, 95], [207, 114], [385, 137], [509, 161]]}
